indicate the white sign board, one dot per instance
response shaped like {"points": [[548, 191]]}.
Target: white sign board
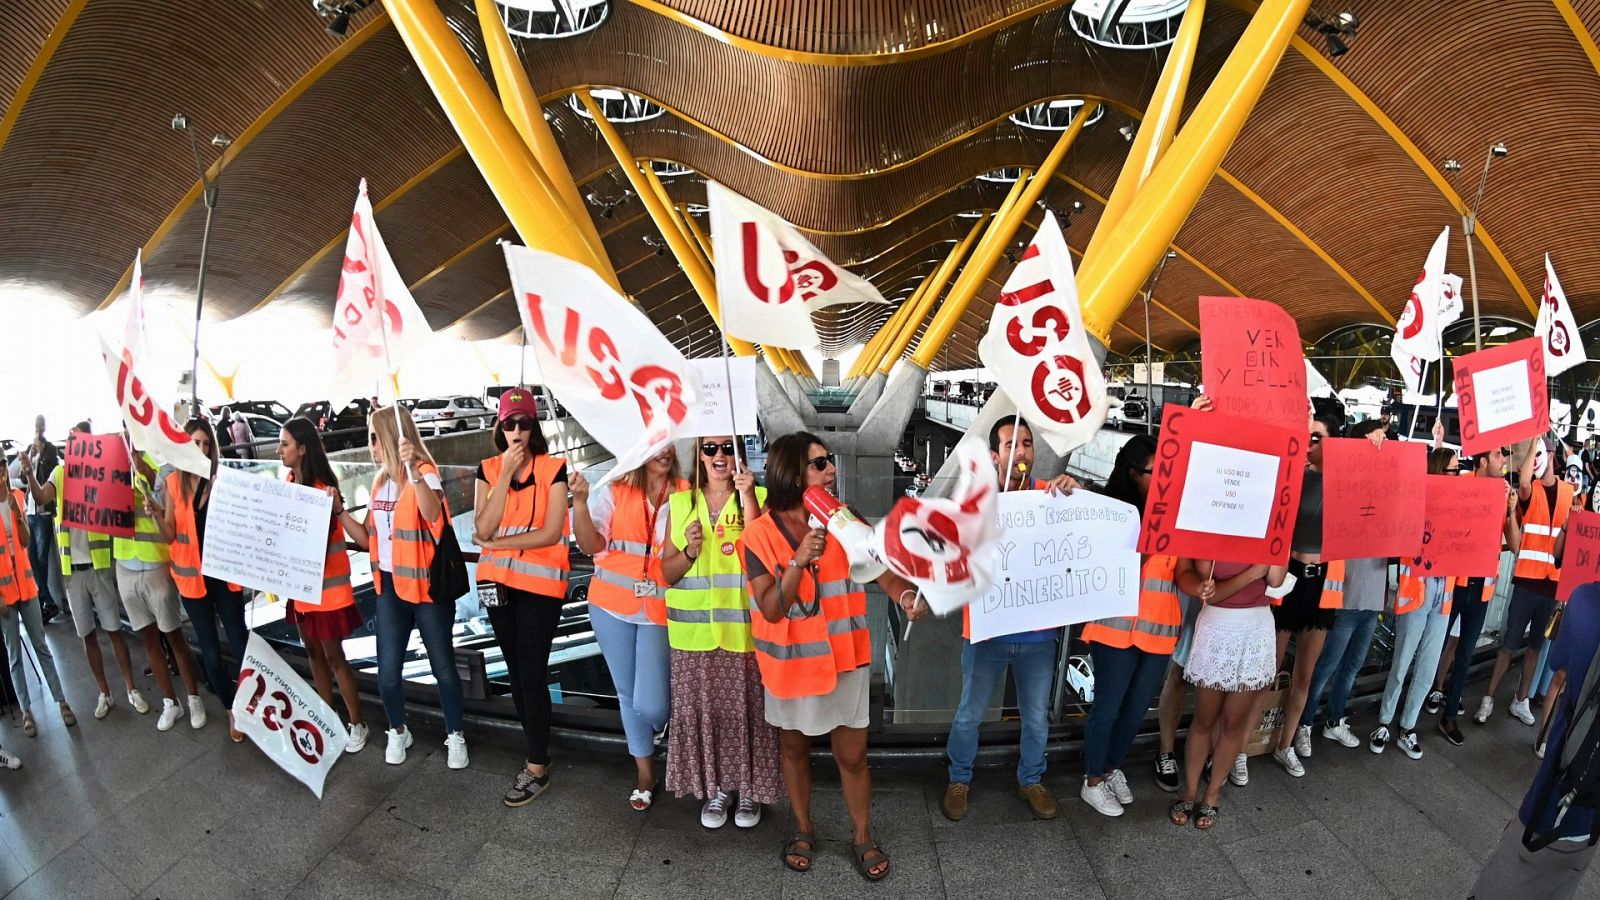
{"points": [[284, 716], [1060, 560], [714, 381], [1228, 491], [1503, 397], [267, 534]]}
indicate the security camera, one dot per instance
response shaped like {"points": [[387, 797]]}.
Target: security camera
{"points": [[221, 141], [1077, 206]]}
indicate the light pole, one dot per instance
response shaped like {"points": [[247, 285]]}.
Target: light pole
{"points": [[1149, 364], [1469, 227], [208, 194]]}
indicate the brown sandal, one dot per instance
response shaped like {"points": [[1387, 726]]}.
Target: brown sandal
{"points": [[858, 855], [808, 853]]}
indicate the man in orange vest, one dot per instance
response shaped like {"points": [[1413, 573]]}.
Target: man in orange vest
{"points": [[1545, 502], [1031, 657]]}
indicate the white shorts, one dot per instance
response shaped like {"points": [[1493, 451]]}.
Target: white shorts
{"points": [[150, 597], [1234, 649], [92, 598]]}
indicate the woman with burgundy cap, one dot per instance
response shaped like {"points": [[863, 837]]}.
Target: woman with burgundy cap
{"points": [[520, 524]]}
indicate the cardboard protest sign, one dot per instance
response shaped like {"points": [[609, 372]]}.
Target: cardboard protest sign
{"points": [[267, 534], [1224, 488], [1373, 498], [1580, 564], [1251, 362], [283, 716], [1502, 395], [97, 492], [1060, 560], [715, 375], [1461, 535]]}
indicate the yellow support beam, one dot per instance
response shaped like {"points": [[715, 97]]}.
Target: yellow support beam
{"points": [[701, 239], [1109, 280], [872, 354], [531, 202], [41, 60], [896, 346]]}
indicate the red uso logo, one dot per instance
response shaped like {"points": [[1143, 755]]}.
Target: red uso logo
{"points": [[138, 405], [1411, 318], [808, 278], [280, 714], [919, 537], [657, 390], [351, 312], [1060, 389]]}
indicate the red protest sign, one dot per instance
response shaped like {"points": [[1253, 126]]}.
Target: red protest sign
{"points": [[1251, 361], [1502, 395], [98, 486], [1373, 498], [1461, 533], [1223, 488], [1580, 560]]}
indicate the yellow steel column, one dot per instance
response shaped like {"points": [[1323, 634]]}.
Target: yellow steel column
{"points": [[688, 256], [775, 357], [896, 345], [522, 106], [531, 202], [701, 239], [872, 353], [1108, 282], [1156, 129]]}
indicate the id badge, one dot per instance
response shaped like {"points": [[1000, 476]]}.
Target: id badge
{"points": [[489, 594], [644, 588]]}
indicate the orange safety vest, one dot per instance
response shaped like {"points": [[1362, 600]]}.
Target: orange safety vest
{"points": [[186, 543], [410, 550], [1411, 592], [16, 573], [542, 571], [337, 592], [1160, 618], [631, 555], [802, 655], [1541, 526], [1332, 587]]}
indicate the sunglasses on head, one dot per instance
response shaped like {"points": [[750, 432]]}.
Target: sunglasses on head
{"points": [[711, 448], [520, 423], [821, 463]]}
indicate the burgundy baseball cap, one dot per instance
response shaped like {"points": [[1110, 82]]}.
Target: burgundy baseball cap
{"points": [[518, 402]]}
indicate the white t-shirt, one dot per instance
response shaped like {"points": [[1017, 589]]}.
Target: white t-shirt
{"points": [[78, 545], [381, 519]]}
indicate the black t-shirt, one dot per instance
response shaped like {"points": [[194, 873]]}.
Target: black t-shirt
{"points": [[561, 478], [43, 468], [1308, 523]]}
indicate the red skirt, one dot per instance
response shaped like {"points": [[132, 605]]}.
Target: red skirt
{"points": [[335, 625]]}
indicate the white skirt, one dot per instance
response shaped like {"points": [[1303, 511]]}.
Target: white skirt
{"points": [[1234, 649]]}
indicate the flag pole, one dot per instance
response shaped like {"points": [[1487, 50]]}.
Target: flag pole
{"points": [[727, 382], [1417, 407], [1016, 425]]}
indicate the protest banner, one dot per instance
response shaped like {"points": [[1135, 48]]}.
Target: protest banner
{"points": [[1059, 560], [1502, 395], [1580, 564], [1373, 498], [1461, 534], [97, 491], [1251, 362], [283, 716], [267, 534], [1224, 488], [714, 393]]}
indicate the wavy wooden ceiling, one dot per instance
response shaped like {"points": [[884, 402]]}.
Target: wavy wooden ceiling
{"points": [[1326, 204]]}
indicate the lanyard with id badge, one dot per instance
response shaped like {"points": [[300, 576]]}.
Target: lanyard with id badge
{"points": [[645, 587]]}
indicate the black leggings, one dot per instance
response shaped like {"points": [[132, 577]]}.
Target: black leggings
{"points": [[525, 627]]}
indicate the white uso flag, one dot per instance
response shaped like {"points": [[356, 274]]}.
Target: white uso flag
{"points": [[1434, 303], [1039, 350], [284, 716], [769, 278], [1557, 328], [623, 380], [945, 545], [376, 322]]}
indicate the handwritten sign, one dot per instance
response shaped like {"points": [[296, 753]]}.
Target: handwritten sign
{"points": [[714, 380], [284, 716], [1251, 361], [1223, 488], [98, 487], [267, 534], [1060, 560], [1502, 395], [1581, 562], [1461, 534], [1373, 498]]}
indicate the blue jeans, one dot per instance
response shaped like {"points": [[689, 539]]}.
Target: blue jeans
{"points": [[1418, 637], [1126, 682], [396, 619], [983, 668], [637, 658], [42, 557], [219, 603], [1471, 611], [1343, 652]]}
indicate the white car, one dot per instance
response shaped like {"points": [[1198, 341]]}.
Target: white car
{"points": [[442, 415], [1080, 677]]}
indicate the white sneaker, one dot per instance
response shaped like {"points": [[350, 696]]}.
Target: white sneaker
{"points": [[170, 714], [399, 743], [1119, 787], [1379, 740], [1302, 742], [10, 760], [102, 707], [1521, 712], [1340, 731], [1410, 745], [1101, 798], [358, 739], [197, 713], [715, 813], [136, 700], [455, 749], [1485, 710], [1538, 749], [1241, 770], [1290, 762], [747, 814]]}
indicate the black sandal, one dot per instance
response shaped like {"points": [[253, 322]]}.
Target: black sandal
{"points": [[858, 854], [1203, 811], [1183, 808], [793, 848]]}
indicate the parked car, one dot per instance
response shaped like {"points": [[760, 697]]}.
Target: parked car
{"points": [[262, 429], [440, 415], [272, 409], [342, 430]]}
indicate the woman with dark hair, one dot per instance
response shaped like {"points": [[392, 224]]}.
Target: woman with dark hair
{"points": [[205, 599], [1130, 654], [325, 623], [813, 646], [520, 523]]}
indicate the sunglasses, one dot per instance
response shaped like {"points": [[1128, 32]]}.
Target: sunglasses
{"points": [[821, 463], [726, 448], [518, 424]]}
